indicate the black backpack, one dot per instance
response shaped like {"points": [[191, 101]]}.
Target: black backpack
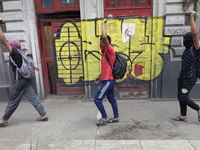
{"points": [[120, 65]]}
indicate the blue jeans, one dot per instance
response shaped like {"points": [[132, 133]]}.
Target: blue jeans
{"points": [[106, 88]]}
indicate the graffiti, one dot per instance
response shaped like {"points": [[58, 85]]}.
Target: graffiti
{"points": [[69, 52], [177, 30], [140, 40], [128, 30], [138, 70]]}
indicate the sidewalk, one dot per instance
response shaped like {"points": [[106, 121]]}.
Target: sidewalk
{"points": [[144, 125]]}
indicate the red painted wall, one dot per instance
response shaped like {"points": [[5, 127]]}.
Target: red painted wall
{"points": [[55, 6], [122, 8]]}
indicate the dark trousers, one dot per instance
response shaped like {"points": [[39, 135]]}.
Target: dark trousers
{"points": [[184, 88], [22, 87], [106, 88]]}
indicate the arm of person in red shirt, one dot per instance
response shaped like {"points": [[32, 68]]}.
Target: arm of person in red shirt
{"points": [[104, 34], [3, 39], [194, 30]]}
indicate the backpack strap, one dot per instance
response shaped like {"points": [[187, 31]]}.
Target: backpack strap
{"points": [[106, 56], [198, 63], [15, 66], [191, 51]]}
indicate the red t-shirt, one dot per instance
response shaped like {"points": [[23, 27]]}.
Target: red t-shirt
{"points": [[106, 70]]}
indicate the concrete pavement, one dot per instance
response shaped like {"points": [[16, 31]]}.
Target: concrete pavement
{"points": [[144, 125]]}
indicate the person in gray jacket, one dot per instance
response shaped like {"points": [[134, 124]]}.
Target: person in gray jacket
{"points": [[21, 85]]}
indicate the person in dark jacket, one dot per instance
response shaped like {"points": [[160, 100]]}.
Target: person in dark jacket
{"points": [[189, 73], [21, 85]]}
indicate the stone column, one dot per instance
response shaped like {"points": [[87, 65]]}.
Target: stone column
{"points": [[89, 9], [31, 32]]}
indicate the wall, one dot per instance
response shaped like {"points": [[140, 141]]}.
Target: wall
{"points": [[143, 45], [156, 45], [177, 24]]}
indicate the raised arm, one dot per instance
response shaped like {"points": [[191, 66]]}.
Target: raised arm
{"points": [[104, 34], [3, 39], [194, 30]]}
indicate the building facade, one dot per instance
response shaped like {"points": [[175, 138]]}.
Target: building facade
{"points": [[63, 38]]}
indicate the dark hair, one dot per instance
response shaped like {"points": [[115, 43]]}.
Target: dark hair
{"points": [[188, 40], [108, 37], [188, 36]]}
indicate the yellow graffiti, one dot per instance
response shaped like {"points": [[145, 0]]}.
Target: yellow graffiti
{"points": [[140, 40], [68, 53]]}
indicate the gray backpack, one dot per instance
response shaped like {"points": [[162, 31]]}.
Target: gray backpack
{"points": [[27, 70]]}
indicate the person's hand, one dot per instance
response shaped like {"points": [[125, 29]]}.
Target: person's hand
{"points": [[104, 20], [193, 13], [1, 20], [97, 79]]}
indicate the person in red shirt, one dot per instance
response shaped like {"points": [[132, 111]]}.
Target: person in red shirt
{"points": [[106, 87]]}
